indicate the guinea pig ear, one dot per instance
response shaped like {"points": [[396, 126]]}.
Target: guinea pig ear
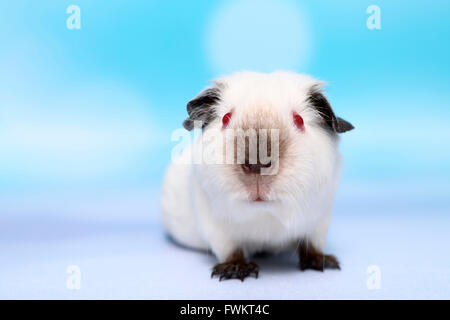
{"points": [[321, 104], [202, 108]]}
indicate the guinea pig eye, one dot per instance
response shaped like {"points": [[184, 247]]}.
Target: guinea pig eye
{"points": [[226, 119], [298, 121]]}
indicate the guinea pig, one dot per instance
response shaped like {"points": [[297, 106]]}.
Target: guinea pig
{"points": [[237, 198]]}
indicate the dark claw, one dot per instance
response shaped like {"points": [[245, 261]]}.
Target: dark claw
{"points": [[319, 262], [330, 262], [235, 270]]}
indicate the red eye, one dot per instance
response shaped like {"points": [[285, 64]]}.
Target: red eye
{"points": [[298, 121], [226, 119]]}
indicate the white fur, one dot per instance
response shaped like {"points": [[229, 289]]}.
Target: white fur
{"points": [[208, 207]]}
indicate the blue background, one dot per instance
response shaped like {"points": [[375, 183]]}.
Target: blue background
{"points": [[86, 117]]}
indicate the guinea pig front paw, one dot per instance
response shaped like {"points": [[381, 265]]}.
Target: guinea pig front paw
{"points": [[311, 258], [235, 270], [319, 262], [235, 267]]}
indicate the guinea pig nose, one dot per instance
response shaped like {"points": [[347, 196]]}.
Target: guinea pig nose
{"points": [[254, 168], [267, 165], [247, 168]]}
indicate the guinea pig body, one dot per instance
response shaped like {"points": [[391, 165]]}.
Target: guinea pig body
{"points": [[237, 208]]}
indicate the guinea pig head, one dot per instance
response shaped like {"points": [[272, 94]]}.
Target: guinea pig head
{"points": [[273, 136]]}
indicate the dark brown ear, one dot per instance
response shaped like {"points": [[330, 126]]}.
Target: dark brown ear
{"points": [[321, 104], [202, 108]]}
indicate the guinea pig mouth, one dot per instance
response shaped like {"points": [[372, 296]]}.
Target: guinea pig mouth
{"points": [[258, 191], [257, 188], [260, 199], [258, 196]]}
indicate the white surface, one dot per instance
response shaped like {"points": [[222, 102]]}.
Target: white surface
{"points": [[129, 256]]}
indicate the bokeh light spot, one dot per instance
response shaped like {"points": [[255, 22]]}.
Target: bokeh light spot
{"points": [[258, 35]]}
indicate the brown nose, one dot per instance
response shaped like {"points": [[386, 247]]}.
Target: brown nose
{"points": [[254, 168]]}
